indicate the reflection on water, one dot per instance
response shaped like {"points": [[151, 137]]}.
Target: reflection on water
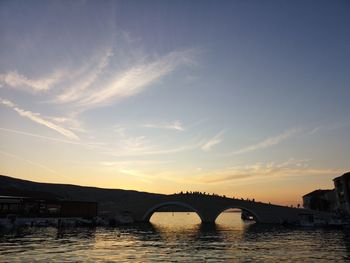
{"points": [[173, 237]]}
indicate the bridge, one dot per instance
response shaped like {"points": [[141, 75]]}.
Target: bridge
{"points": [[209, 207], [141, 205]]}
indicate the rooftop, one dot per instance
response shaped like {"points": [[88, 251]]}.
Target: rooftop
{"points": [[318, 192], [346, 175]]}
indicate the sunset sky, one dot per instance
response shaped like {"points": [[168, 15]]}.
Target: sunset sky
{"points": [[242, 98]]}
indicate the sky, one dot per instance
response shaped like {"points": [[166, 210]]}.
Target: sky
{"points": [[240, 98]]}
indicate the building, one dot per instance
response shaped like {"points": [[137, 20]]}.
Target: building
{"points": [[78, 209], [32, 207], [336, 200], [342, 192], [11, 205], [321, 200]]}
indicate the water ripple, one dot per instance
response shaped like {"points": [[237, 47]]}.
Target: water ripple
{"points": [[177, 238]]}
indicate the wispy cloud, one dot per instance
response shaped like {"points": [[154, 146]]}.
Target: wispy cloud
{"points": [[263, 171], [178, 149], [89, 146], [38, 119], [315, 130], [120, 130], [328, 127], [269, 141], [11, 155], [41, 136], [141, 146], [207, 146], [135, 79], [131, 146], [86, 79], [15, 80], [175, 125], [131, 163], [135, 144]]}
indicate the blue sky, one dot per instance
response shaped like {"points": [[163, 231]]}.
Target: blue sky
{"points": [[243, 98]]}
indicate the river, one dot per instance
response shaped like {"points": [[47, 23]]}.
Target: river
{"points": [[178, 237]]}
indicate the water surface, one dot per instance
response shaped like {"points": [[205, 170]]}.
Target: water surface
{"points": [[174, 237]]}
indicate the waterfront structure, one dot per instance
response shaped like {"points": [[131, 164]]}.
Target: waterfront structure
{"points": [[342, 192], [32, 207], [321, 200], [335, 200], [208, 208], [11, 204], [78, 209]]}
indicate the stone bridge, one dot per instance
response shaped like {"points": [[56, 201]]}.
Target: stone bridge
{"points": [[209, 207], [141, 205]]}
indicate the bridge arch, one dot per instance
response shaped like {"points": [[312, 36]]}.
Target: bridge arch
{"points": [[147, 216], [256, 216]]}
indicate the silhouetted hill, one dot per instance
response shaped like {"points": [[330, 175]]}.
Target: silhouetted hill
{"points": [[108, 199], [19, 187]]}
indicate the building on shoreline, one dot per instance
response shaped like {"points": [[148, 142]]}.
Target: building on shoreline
{"points": [[335, 200], [32, 207], [342, 192], [321, 200]]}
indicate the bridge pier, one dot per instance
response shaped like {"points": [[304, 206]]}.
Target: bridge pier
{"points": [[208, 219], [208, 222]]}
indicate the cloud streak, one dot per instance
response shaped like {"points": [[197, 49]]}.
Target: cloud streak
{"points": [[86, 145], [75, 91], [247, 173], [16, 80], [35, 117], [207, 146], [29, 162], [175, 125], [131, 146], [268, 142], [133, 80]]}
